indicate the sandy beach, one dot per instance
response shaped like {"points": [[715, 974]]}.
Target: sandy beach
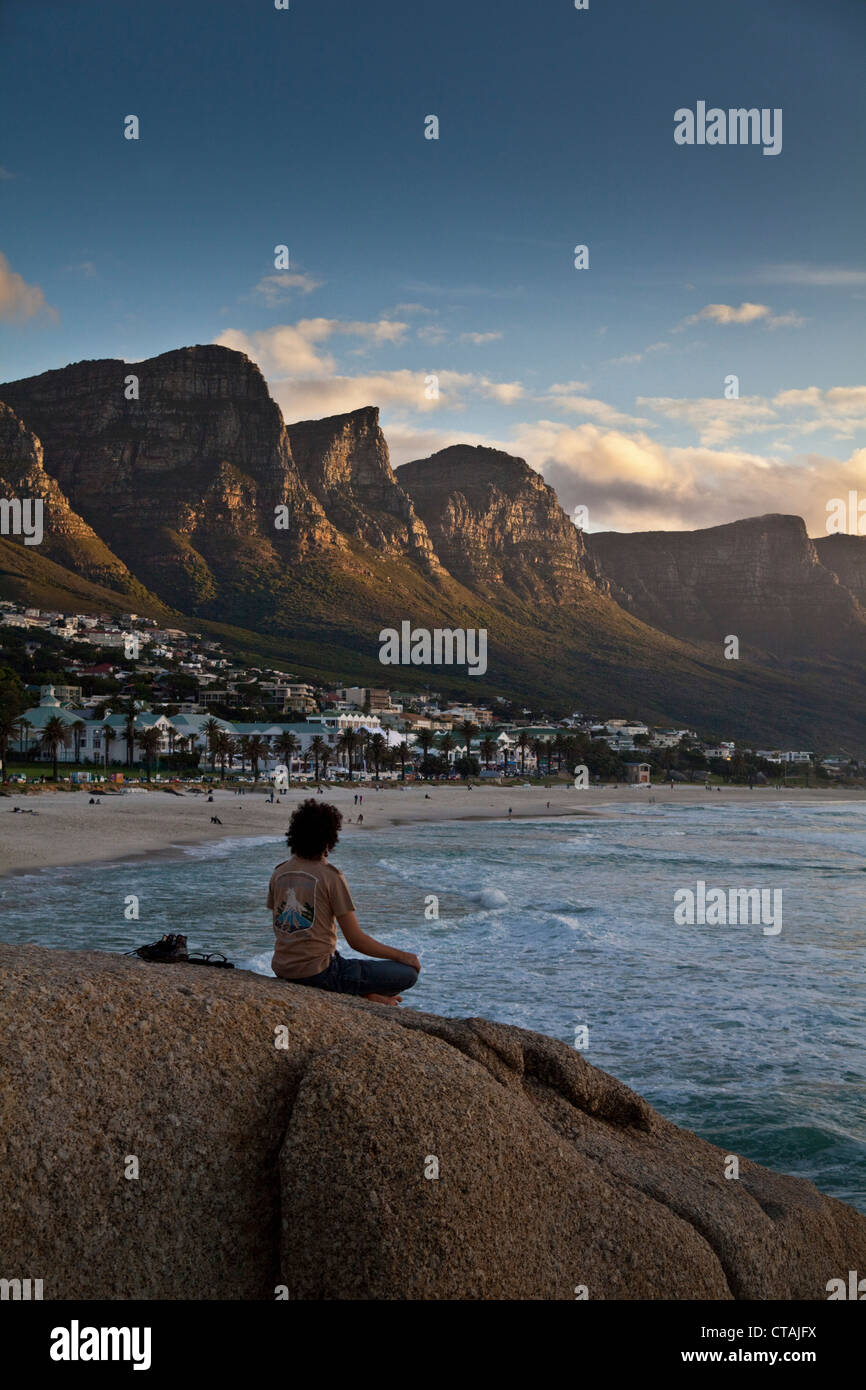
{"points": [[65, 829]]}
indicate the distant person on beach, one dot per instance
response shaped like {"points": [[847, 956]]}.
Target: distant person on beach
{"points": [[308, 897]]}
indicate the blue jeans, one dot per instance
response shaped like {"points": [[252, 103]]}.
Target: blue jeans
{"points": [[362, 976]]}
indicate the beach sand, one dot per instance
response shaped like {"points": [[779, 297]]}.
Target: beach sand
{"points": [[66, 829]]}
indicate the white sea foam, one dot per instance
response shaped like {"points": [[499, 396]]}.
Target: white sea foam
{"points": [[490, 897], [260, 964]]}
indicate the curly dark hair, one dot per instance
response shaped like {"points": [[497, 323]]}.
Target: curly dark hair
{"points": [[313, 828]]}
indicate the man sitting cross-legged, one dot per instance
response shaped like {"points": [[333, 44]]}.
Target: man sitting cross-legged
{"points": [[308, 897]]}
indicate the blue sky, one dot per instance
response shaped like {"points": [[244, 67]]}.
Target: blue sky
{"points": [[454, 257]]}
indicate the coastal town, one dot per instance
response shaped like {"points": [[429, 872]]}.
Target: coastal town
{"points": [[93, 697]]}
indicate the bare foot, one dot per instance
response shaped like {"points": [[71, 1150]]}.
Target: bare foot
{"points": [[383, 998]]}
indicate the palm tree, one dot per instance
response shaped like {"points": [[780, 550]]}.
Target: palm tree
{"points": [[537, 746], [244, 751], [130, 714], [378, 747], [488, 748], [468, 730], [77, 732], [558, 745], [317, 748], [287, 746], [223, 749], [8, 725], [257, 749], [347, 743], [109, 735], [402, 752], [55, 736], [425, 738], [523, 744], [149, 741], [23, 726], [211, 728], [326, 758], [446, 746]]}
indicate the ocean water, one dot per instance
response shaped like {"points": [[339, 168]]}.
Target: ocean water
{"points": [[756, 1042]]}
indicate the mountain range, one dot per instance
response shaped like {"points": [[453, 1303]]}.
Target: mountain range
{"points": [[174, 487]]}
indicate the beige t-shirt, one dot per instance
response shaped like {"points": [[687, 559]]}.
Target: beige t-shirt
{"points": [[305, 896]]}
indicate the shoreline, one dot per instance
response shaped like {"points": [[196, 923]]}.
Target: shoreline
{"points": [[67, 832]]}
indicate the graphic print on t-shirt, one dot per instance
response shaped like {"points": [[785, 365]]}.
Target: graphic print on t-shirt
{"points": [[296, 912]]}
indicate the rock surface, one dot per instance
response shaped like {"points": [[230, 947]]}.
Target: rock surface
{"points": [[494, 521], [761, 579], [845, 555], [67, 538], [183, 481], [304, 1166], [344, 461], [180, 489]]}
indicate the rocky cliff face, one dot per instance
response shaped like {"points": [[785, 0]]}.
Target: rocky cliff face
{"points": [[845, 556], [182, 482], [67, 538], [344, 462], [305, 1166], [494, 521], [179, 488], [760, 579]]}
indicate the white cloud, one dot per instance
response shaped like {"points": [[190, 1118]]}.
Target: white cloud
{"points": [[18, 300], [714, 419], [632, 357], [746, 313], [408, 442], [277, 289], [606, 460], [632, 482], [839, 411], [506, 392], [626, 360], [305, 397], [479, 338], [726, 313], [309, 398], [595, 410], [380, 331], [288, 349], [796, 273], [306, 381], [808, 396], [789, 320], [567, 388]]}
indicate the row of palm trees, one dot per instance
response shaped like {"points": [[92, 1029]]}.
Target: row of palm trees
{"points": [[562, 748], [357, 747]]}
